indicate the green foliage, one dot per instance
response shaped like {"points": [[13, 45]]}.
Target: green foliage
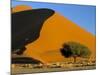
{"points": [[79, 50], [75, 49]]}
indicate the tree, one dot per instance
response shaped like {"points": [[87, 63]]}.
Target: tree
{"points": [[74, 49], [66, 50]]}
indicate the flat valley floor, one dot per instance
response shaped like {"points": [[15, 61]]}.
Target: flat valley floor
{"points": [[41, 70]]}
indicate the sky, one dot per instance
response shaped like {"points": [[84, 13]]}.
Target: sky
{"points": [[82, 15]]}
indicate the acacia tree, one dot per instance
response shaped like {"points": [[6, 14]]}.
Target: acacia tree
{"points": [[74, 49]]}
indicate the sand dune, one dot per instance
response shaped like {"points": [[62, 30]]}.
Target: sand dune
{"points": [[56, 31], [20, 8]]}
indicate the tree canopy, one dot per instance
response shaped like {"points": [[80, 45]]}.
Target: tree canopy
{"points": [[74, 49]]}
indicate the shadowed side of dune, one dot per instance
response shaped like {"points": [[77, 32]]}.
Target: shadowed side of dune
{"points": [[24, 60], [26, 26]]}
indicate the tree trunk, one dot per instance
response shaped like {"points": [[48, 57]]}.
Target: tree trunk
{"points": [[75, 59]]}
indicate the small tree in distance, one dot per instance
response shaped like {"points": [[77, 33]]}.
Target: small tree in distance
{"points": [[74, 49]]}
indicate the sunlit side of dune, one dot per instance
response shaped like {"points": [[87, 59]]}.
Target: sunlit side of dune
{"points": [[56, 31]]}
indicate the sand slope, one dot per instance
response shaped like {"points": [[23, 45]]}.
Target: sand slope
{"points": [[56, 31]]}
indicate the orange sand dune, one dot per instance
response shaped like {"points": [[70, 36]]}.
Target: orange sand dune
{"points": [[56, 31], [21, 8]]}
